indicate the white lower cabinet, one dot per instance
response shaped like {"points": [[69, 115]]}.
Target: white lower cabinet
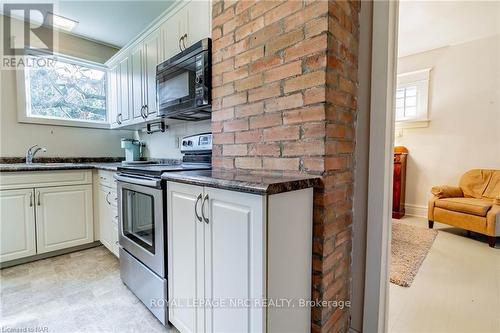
{"points": [[41, 212], [17, 224], [107, 211], [218, 250], [63, 217]]}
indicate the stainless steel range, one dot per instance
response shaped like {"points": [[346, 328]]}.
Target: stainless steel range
{"points": [[142, 215]]}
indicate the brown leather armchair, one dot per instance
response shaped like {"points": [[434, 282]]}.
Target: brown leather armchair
{"points": [[474, 205]]}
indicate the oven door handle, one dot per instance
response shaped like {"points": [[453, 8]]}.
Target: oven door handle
{"points": [[138, 180]]}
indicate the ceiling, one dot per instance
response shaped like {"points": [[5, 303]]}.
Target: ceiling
{"points": [[427, 25], [112, 22]]}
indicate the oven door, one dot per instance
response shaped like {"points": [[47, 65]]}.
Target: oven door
{"points": [[140, 213]]}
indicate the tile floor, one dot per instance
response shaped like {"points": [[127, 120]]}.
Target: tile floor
{"points": [[457, 288], [76, 292]]}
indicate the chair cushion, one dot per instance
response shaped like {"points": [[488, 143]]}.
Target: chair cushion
{"points": [[474, 182], [492, 191], [472, 206]]}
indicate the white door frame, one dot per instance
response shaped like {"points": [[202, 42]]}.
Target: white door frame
{"points": [[384, 58]]}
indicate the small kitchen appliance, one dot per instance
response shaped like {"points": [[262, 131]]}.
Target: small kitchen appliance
{"points": [[184, 83], [133, 149], [142, 213]]}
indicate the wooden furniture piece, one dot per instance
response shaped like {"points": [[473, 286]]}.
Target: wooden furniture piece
{"points": [[399, 182]]}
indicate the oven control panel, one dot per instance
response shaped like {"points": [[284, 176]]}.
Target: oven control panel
{"points": [[195, 143]]}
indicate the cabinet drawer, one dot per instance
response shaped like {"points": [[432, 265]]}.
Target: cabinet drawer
{"points": [[106, 179], [28, 179]]}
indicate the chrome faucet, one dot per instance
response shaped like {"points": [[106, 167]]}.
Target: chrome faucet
{"points": [[30, 154]]}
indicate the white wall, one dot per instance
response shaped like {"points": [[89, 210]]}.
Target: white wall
{"points": [[163, 145], [60, 141], [464, 111]]}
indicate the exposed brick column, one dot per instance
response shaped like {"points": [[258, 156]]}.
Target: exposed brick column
{"points": [[284, 96]]}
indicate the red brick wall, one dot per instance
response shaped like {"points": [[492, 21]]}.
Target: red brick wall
{"points": [[284, 99]]}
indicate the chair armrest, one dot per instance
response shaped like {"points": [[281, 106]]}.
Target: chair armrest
{"points": [[445, 191]]}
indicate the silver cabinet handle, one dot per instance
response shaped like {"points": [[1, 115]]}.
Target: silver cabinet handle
{"points": [[31, 199], [183, 43], [146, 111], [119, 118], [203, 209], [142, 112], [107, 198], [38, 200], [196, 208]]}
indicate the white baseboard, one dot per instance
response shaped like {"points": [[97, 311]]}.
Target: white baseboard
{"points": [[416, 210]]}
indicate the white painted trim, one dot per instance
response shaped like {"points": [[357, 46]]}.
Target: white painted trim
{"points": [[415, 210], [384, 61], [412, 124]]}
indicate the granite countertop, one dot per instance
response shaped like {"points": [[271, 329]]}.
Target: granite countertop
{"points": [[261, 183], [13, 167]]}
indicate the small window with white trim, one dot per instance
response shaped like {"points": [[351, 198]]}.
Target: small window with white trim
{"points": [[412, 95], [62, 90]]}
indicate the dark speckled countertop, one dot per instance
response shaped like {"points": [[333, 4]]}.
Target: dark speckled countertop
{"points": [[16, 167], [243, 182], [13, 164]]}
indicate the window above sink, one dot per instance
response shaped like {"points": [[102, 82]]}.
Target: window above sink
{"points": [[62, 90]]}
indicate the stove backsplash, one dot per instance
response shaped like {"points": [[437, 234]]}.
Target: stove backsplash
{"points": [[164, 145]]}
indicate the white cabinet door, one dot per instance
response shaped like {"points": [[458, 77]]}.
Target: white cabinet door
{"points": [[64, 217], [234, 259], [125, 100], [185, 257], [170, 35], [137, 80], [104, 216], [17, 224], [198, 21], [152, 58], [113, 94]]}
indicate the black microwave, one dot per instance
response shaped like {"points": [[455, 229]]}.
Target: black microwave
{"points": [[184, 83]]}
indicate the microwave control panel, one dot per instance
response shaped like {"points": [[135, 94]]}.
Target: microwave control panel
{"points": [[202, 79]]}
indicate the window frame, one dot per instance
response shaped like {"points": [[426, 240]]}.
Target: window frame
{"points": [[420, 79], [22, 95]]}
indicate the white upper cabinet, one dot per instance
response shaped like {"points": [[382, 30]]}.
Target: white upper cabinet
{"points": [[17, 224], [112, 95], [198, 21], [137, 79], [133, 89], [169, 37], [125, 100], [152, 51]]}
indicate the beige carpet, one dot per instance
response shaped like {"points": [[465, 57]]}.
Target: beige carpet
{"points": [[409, 247]]}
